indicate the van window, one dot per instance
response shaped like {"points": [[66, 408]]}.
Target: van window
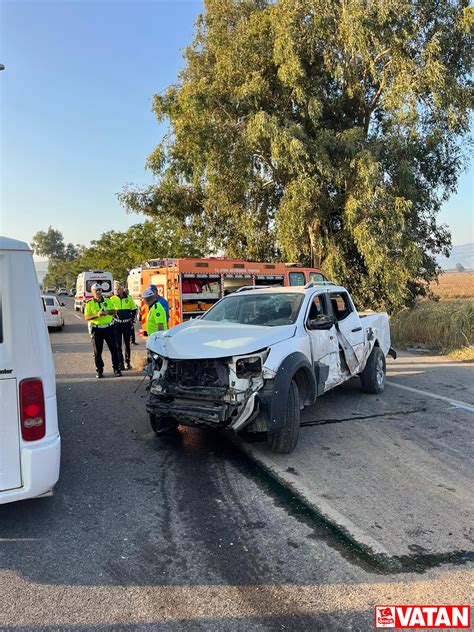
{"points": [[49, 301], [341, 305], [106, 286], [296, 278], [316, 277]]}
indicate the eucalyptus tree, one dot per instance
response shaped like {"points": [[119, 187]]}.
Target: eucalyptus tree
{"points": [[326, 131]]}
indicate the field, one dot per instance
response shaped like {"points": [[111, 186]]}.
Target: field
{"points": [[454, 285], [446, 324]]}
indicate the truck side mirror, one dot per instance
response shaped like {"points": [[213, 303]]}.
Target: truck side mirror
{"points": [[322, 322]]}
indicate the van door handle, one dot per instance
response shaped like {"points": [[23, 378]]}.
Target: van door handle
{"points": [[356, 329]]}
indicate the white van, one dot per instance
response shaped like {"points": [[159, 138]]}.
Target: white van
{"points": [[85, 280], [30, 445]]}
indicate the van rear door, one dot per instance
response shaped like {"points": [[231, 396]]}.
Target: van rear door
{"points": [[10, 472]]}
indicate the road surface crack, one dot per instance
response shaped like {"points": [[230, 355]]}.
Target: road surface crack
{"points": [[322, 422]]}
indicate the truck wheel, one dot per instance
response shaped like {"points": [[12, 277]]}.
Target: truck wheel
{"points": [[284, 441], [372, 378], [162, 425]]}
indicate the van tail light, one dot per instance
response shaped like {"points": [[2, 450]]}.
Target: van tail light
{"points": [[32, 413], [54, 312]]}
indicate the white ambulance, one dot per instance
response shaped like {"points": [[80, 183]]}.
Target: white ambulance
{"points": [[85, 280], [30, 445]]}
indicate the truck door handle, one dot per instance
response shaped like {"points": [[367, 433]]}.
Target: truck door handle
{"points": [[356, 329]]}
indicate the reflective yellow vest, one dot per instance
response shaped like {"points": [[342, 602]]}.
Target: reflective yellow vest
{"points": [[125, 307], [93, 307], [156, 316]]}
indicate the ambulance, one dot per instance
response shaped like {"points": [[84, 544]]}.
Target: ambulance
{"points": [[192, 286], [30, 445], [85, 280]]}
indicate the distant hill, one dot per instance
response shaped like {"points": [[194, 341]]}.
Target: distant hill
{"points": [[460, 254]]}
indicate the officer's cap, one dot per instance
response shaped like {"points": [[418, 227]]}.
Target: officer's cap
{"points": [[96, 286], [153, 288], [148, 293]]}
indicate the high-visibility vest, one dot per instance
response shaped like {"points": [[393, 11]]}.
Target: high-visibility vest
{"points": [[125, 307], [93, 307], [156, 316]]}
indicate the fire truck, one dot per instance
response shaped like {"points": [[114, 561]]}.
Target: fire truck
{"points": [[192, 286]]}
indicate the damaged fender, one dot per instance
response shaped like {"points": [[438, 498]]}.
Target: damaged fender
{"points": [[274, 399]]}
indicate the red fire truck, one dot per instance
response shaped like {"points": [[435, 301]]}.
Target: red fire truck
{"points": [[192, 286]]}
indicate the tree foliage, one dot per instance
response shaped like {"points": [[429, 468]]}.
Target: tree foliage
{"points": [[119, 251], [50, 244], [323, 130]]}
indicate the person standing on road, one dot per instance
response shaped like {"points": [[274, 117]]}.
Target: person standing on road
{"points": [[99, 313], [124, 308], [134, 320], [161, 299], [156, 317]]}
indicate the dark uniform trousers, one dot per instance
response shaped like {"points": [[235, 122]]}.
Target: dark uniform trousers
{"points": [[98, 335], [123, 331]]}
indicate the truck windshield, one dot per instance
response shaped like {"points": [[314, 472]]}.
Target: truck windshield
{"points": [[267, 310]]}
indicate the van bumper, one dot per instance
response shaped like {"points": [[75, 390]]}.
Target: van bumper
{"points": [[39, 471]]}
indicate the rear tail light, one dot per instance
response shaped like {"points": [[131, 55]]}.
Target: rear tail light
{"points": [[54, 312], [32, 414]]}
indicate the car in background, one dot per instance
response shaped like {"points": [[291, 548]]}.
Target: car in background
{"points": [[50, 290], [52, 312], [62, 292]]}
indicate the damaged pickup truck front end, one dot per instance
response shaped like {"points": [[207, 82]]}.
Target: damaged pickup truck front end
{"points": [[257, 358], [216, 392]]}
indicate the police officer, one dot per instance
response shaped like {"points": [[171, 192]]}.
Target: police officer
{"points": [[156, 317], [161, 300], [99, 313], [124, 309], [134, 320]]}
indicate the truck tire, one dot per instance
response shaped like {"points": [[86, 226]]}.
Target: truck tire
{"points": [[162, 425], [372, 378], [284, 441]]}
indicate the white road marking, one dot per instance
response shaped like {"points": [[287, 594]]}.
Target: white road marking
{"points": [[453, 402], [77, 316]]}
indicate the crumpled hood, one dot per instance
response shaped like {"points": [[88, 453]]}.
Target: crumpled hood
{"points": [[207, 339]]}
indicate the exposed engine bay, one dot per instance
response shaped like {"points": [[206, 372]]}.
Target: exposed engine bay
{"points": [[215, 391]]}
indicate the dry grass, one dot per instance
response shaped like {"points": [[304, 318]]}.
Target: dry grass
{"points": [[446, 325], [454, 285], [464, 355]]}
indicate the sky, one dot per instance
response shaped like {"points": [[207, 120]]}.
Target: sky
{"points": [[75, 113]]}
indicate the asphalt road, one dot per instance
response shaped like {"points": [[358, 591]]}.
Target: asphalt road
{"points": [[189, 533]]}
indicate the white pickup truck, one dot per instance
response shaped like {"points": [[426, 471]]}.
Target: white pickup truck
{"points": [[259, 356]]}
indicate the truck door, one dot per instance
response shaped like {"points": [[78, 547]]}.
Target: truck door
{"points": [[348, 322], [324, 344]]}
